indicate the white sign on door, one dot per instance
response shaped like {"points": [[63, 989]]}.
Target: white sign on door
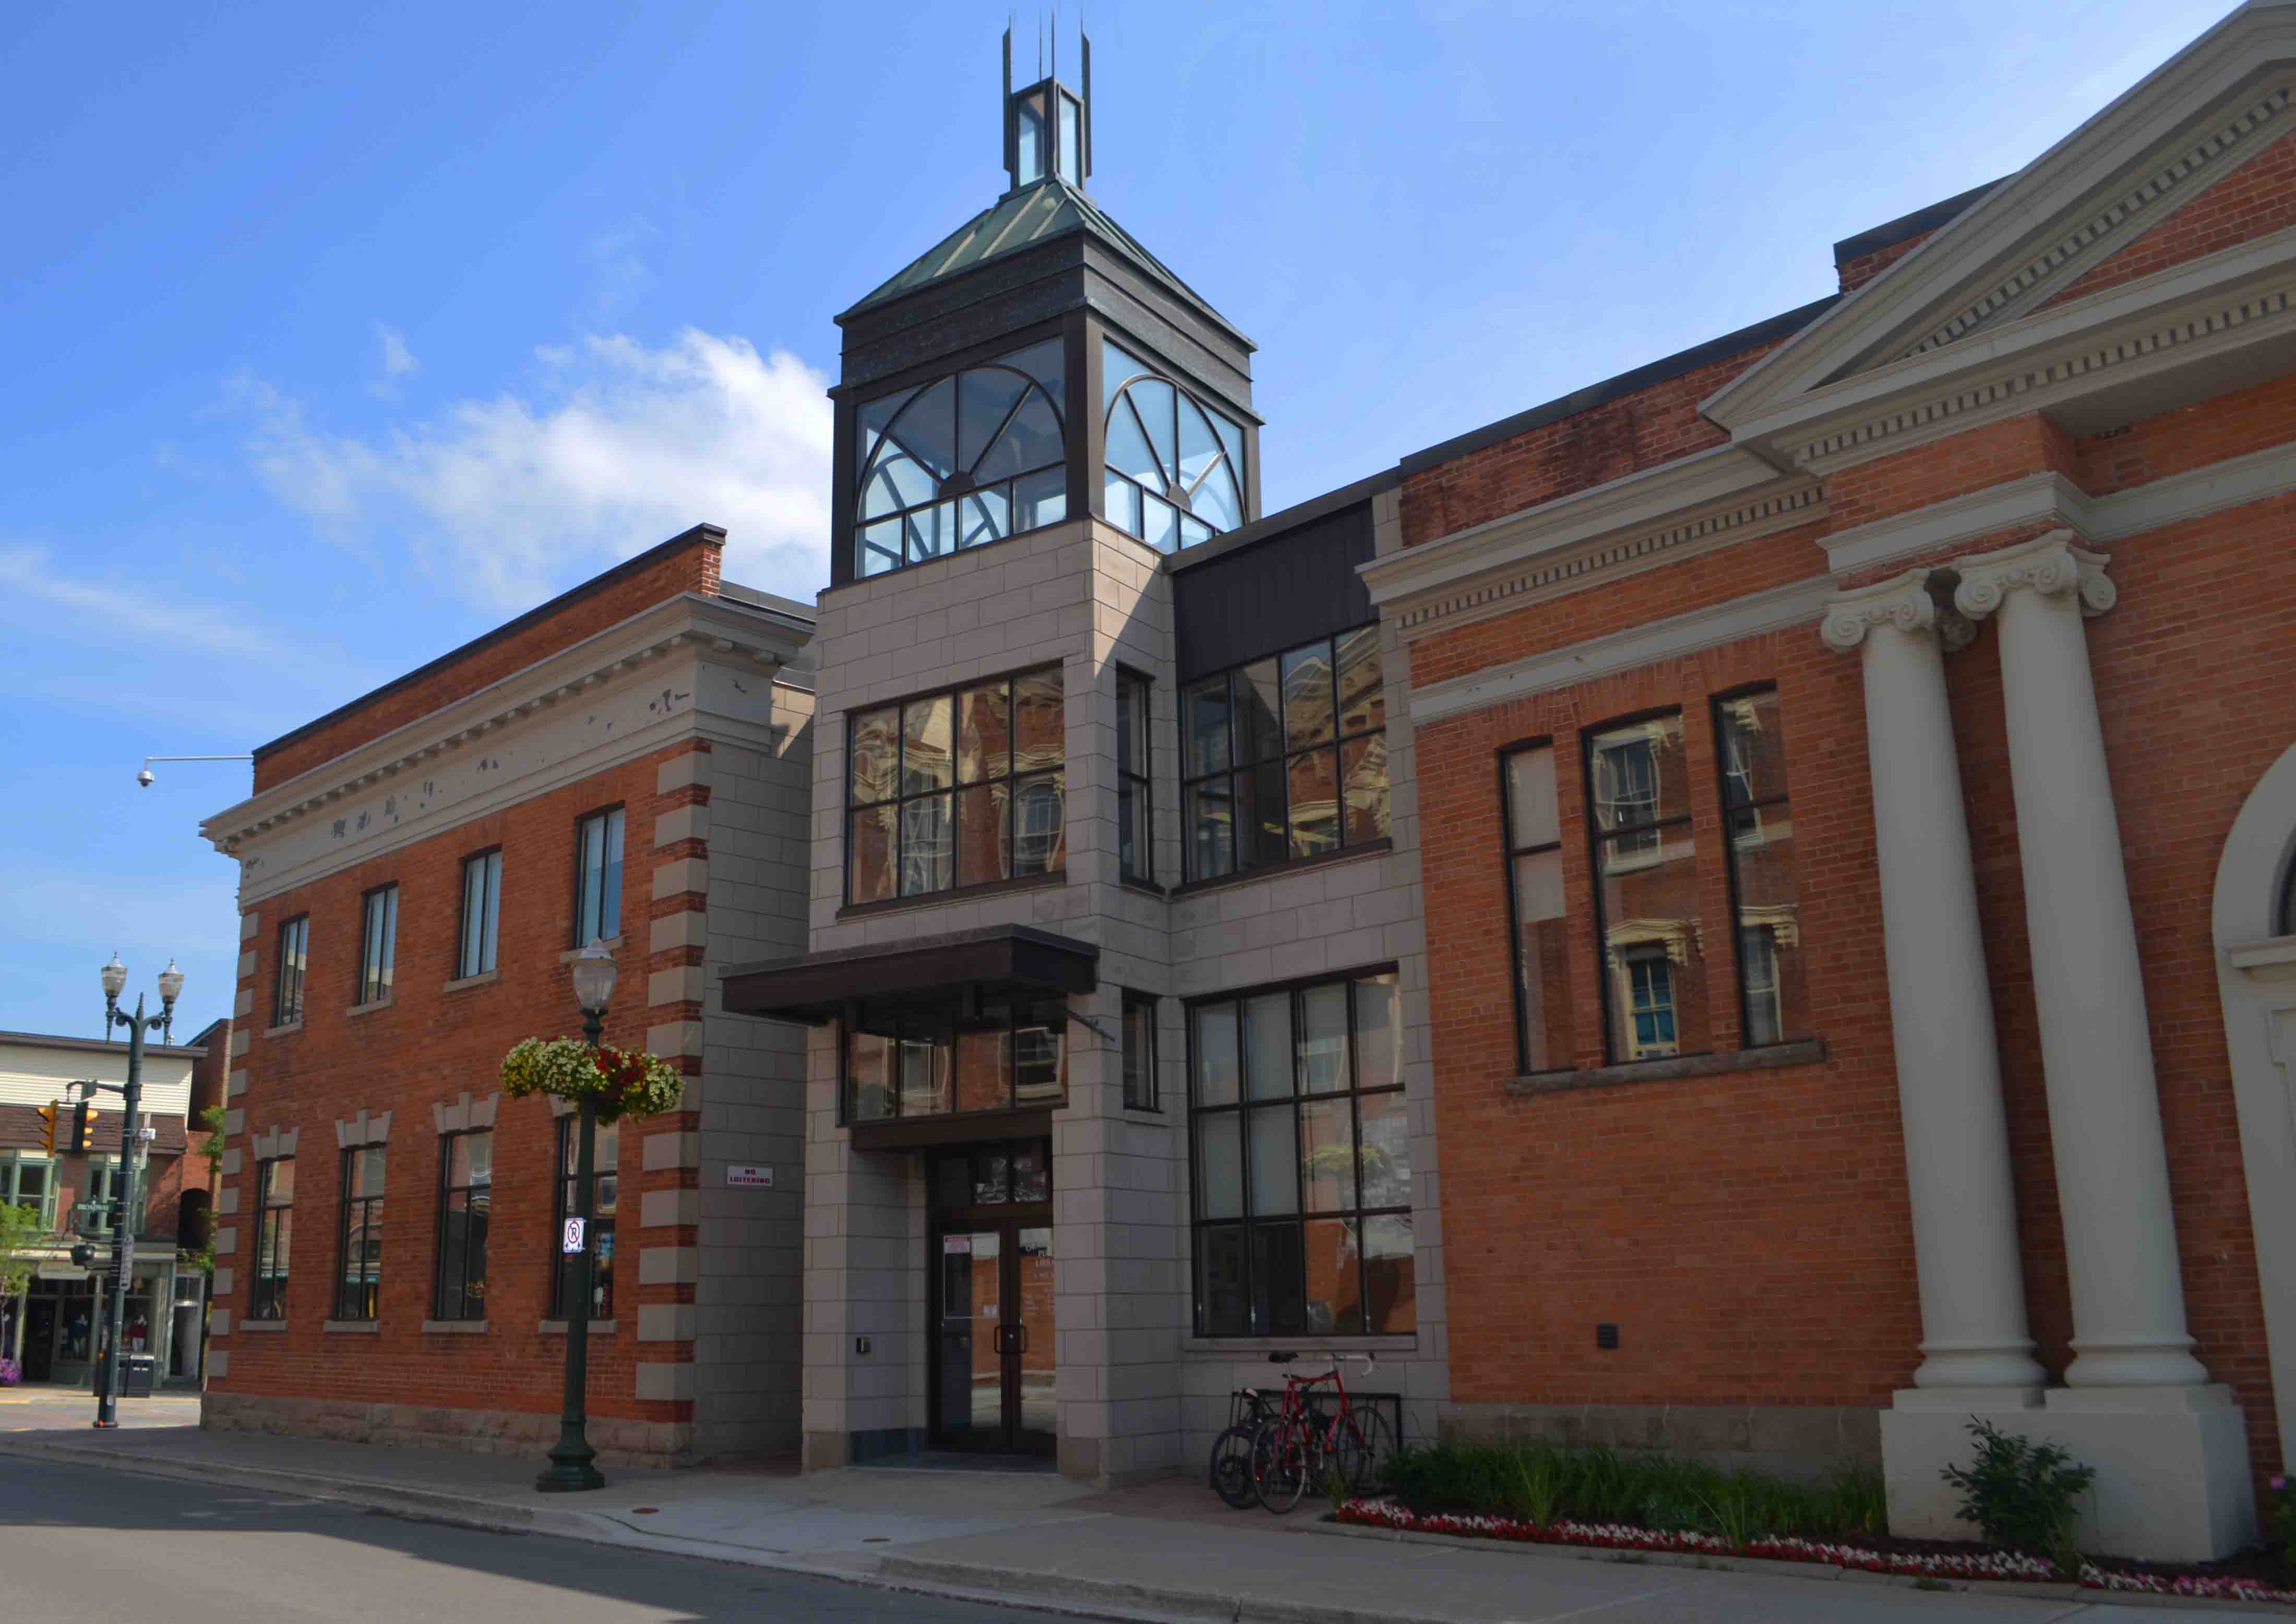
{"points": [[572, 1245], [749, 1178]]}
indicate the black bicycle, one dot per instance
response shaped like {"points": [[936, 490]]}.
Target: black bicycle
{"points": [[1231, 1471]]}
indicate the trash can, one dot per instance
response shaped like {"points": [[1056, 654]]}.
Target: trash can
{"points": [[139, 1374]]}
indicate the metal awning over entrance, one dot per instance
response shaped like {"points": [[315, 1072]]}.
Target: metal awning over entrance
{"points": [[997, 962]]}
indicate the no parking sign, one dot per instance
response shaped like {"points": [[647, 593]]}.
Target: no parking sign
{"points": [[572, 1245]]}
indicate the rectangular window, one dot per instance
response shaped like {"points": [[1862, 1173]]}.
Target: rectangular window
{"points": [[1646, 891], [1285, 758], [466, 1172], [1302, 1162], [1544, 1034], [1140, 1089], [294, 951], [275, 1207], [481, 914], [28, 1180], [1135, 858], [956, 789], [378, 944], [358, 1234], [598, 877], [938, 1060], [1759, 819], [106, 1184], [605, 1188]]}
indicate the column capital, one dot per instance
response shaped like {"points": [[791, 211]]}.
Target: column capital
{"points": [[2050, 564], [1907, 601]]}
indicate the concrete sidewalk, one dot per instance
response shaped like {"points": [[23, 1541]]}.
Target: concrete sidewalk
{"points": [[1169, 1550]]}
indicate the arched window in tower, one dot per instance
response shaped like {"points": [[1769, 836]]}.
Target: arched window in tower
{"points": [[1175, 472], [961, 462]]}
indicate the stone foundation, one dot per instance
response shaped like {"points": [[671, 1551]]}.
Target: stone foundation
{"points": [[1804, 1441], [420, 1427]]}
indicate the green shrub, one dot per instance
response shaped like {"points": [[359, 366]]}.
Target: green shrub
{"points": [[2022, 1495]]}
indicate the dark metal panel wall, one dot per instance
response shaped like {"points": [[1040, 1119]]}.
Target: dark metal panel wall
{"points": [[1273, 594]]}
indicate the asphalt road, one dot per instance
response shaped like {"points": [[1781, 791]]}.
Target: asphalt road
{"points": [[80, 1544]]}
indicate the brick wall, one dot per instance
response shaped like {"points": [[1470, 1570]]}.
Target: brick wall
{"points": [[2255, 199]]}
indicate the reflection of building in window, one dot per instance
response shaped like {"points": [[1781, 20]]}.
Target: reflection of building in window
{"points": [[274, 1197], [1645, 976], [1626, 793], [1135, 798], [1757, 971], [1646, 891], [1175, 465], [605, 1190], [1542, 980], [940, 1059], [598, 877], [358, 1239], [1285, 757], [1140, 1088], [963, 461], [1751, 749], [28, 1180], [465, 1201], [1302, 1162]]}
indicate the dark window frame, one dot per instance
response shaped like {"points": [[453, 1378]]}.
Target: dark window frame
{"points": [[275, 1229], [602, 816], [358, 1280], [1281, 763], [940, 1024], [1149, 1005], [1724, 774], [376, 970], [602, 1225], [468, 1286], [1596, 834], [1187, 521], [1510, 854], [1247, 1222], [1011, 781], [291, 973], [1137, 788], [490, 942]]}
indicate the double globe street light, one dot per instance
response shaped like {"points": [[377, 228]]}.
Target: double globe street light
{"points": [[573, 1462]]}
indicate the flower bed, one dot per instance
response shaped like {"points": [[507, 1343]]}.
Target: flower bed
{"points": [[1837, 1554]]}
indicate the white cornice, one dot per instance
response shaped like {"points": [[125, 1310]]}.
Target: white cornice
{"points": [[1995, 508], [1775, 610], [1655, 516], [725, 628], [2157, 127], [2193, 494]]}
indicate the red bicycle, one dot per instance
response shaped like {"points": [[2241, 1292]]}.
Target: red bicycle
{"points": [[1305, 1440]]}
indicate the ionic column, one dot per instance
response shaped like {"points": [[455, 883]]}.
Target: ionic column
{"points": [[2096, 1050], [1973, 1290]]}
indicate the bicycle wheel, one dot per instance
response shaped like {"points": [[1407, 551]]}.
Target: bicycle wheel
{"points": [[1280, 1464], [1360, 1451], [1231, 1472]]}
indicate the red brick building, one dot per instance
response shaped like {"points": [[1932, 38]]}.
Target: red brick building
{"points": [[1857, 767], [623, 764]]}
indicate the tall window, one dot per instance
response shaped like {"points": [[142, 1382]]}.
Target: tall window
{"points": [[955, 789], [28, 1180], [466, 1174], [940, 1060], [598, 877], [1135, 831], [1544, 1033], [1646, 891], [1302, 1165], [294, 951], [961, 462], [358, 1234], [1140, 1090], [274, 1206], [1174, 466], [605, 1186], [481, 914], [1761, 822], [107, 1184], [378, 944], [1286, 757]]}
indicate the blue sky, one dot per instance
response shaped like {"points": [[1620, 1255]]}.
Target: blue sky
{"points": [[334, 335]]}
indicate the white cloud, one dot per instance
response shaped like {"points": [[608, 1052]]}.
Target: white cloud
{"points": [[107, 609], [507, 499], [397, 362]]}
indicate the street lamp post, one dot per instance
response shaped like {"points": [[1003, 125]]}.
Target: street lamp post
{"points": [[123, 1255], [573, 1462]]}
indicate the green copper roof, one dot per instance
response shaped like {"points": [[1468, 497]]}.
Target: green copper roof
{"points": [[1040, 213]]}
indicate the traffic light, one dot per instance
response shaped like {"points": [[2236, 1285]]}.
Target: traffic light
{"points": [[79, 1129], [48, 1129]]}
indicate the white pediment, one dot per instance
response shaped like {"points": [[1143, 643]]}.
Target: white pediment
{"points": [[2166, 140]]}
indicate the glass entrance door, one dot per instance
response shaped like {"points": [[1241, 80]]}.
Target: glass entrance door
{"points": [[995, 1374]]}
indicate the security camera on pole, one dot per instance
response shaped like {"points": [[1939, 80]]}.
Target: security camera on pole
{"points": [[131, 1138]]}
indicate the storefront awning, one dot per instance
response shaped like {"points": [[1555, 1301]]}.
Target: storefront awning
{"points": [[997, 962]]}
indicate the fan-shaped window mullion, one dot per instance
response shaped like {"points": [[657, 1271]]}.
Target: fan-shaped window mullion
{"points": [[989, 444], [1140, 421]]}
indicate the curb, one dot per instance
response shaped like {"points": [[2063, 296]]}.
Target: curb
{"points": [[947, 1576]]}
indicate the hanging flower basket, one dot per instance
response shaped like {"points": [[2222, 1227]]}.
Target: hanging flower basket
{"points": [[617, 1082]]}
